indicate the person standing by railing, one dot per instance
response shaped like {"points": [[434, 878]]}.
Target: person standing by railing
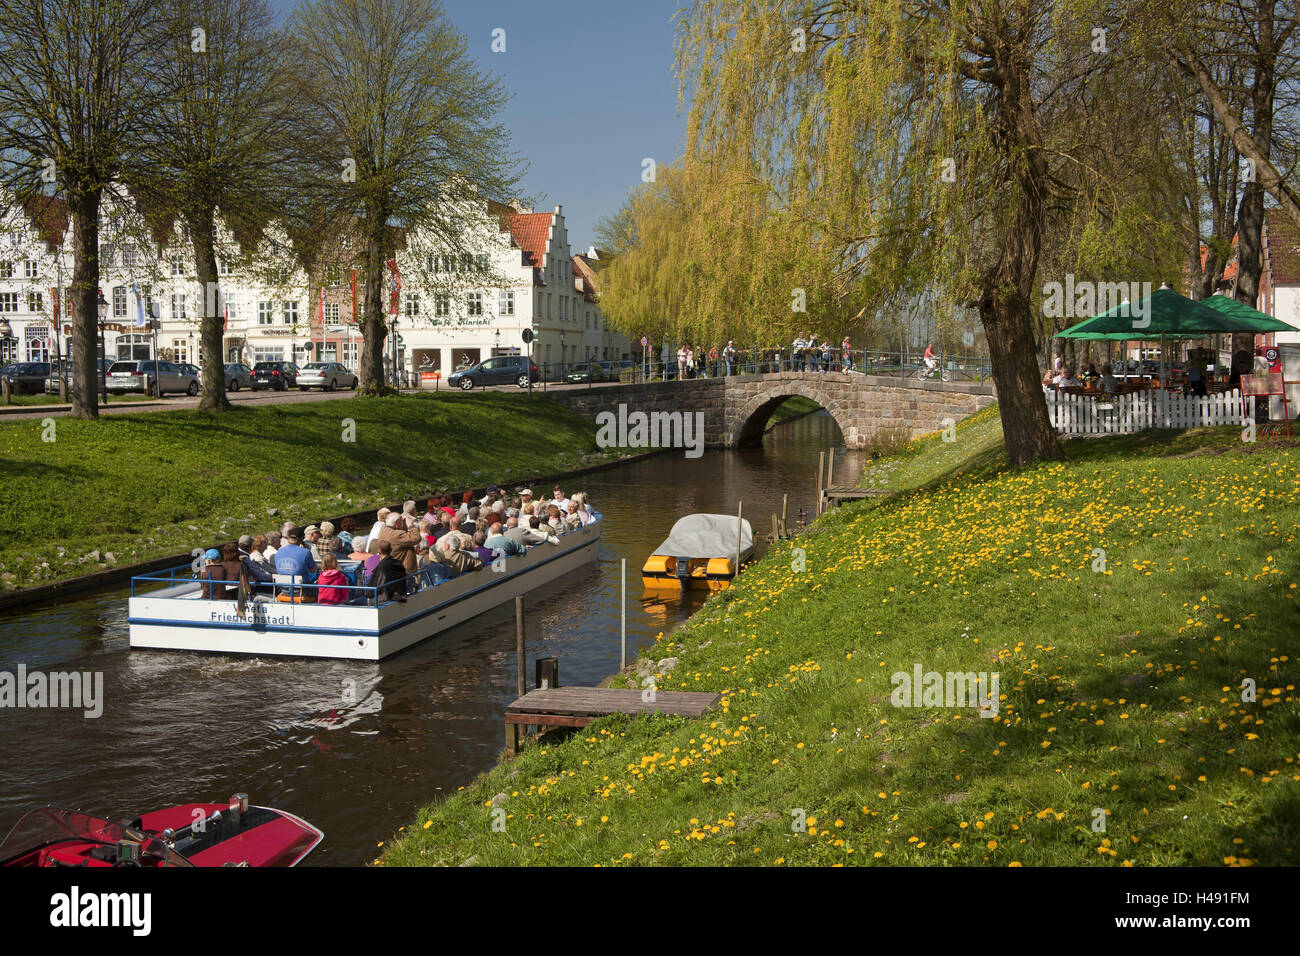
{"points": [[846, 365], [796, 353], [729, 356]]}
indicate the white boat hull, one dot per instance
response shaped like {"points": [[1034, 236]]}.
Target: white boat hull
{"points": [[178, 618]]}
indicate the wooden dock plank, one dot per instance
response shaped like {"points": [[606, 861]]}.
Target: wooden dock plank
{"points": [[602, 701]]}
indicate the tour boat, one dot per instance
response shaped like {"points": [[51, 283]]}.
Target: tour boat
{"points": [[702, 551], [168, 610], [191, 834]]}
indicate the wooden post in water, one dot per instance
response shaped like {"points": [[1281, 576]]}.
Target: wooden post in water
{"points": [[776, 528], [520, 658], [830, 470], [821, 467], [785, 505], [622, 626], [740, 531]]}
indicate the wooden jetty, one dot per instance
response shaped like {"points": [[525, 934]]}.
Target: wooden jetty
{"points": [[579, 706], [848, 493]]}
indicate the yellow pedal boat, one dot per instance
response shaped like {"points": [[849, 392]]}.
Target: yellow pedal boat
{"points": [[702, 551]]}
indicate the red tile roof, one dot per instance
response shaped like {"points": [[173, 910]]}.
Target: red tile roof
{"points": [[531, 231], [584, 278], [1281, 248]]}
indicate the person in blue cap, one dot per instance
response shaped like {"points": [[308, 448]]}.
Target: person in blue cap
{"points": [[213, 572]]}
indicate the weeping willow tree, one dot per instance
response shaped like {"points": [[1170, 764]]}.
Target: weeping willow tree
{"points": [[917, 146], [705, 253]]}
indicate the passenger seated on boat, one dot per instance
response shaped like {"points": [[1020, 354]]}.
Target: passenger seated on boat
{"points": [[333, 583], [389, 577], [329, 541], [573, 520], [347, 531], [372, 539], [213, 571], [529, 532], [294, 564], [250, 553], [454, 550], [498, 540], [272, 546], [554, 519], [481, 549]]}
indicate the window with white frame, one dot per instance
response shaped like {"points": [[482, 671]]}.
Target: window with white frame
{"points": [[474, 303], [178, 306], [481, 262], [31, 269], [350, 355], [290, 312], [180, 350], [411, 304], [128, 255], [119, 302], [506, 302], [332, 313], [442, 305], [36, 302], [267, 353], [178, 266], [433, 263], [8, 351], [6, 270], [38, 344], [265, 313], [334, 275], [8, 301], [223, 267], [466, 262]]}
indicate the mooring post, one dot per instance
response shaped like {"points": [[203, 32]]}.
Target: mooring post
{"points": [[830, 471], [520, 660], [821, 467], [785, 505], [622, 617]]}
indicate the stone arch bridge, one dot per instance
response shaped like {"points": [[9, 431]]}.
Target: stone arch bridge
{"points": [[736, 408]]}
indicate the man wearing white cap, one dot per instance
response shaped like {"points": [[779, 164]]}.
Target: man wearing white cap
{"points": [[372, 539]]}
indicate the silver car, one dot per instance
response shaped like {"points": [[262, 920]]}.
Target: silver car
{"points": [[238, 375], [325, 375], [139, 376]]}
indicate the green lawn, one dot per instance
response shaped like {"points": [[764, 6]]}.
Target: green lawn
{"points": [[43, 398], [150, 485], [1122, 597]]}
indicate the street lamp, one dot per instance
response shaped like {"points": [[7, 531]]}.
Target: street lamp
{"points": [[562, 353], [101, 307], [496, 342]]}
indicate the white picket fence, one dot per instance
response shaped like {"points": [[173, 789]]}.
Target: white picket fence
{"points": [[1124, 414]]}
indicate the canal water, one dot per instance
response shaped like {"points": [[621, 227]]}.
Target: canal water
{"points": [[356, 747]]}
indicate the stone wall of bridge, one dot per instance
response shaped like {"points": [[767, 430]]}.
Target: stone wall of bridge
{"points": [[737, 408]]}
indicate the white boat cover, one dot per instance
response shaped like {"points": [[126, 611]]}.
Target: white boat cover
{"points": [[707, 536]]}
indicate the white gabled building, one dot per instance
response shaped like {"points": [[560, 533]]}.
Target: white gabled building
{"points": [[454, 308]]}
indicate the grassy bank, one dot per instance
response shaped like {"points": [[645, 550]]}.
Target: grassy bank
{"points": [[150, 485], [1122, 597], [792, 407]]}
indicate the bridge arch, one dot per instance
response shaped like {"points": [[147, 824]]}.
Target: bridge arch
{"points": [[745, 425]]}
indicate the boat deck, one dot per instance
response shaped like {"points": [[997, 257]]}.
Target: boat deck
{"points": [[579, 706]]}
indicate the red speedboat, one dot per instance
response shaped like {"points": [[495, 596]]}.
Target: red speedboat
{"points": [[192, 834]]}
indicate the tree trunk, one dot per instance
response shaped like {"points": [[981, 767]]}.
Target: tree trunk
{"points": [[212, 327], [374, 328], [1006, 302], [82, 294], [1250, 214]]}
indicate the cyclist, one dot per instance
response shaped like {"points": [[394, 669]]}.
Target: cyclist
{"points": [[931, 360]]}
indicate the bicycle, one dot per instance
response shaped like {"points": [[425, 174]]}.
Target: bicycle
{"points": [[927, 372]]}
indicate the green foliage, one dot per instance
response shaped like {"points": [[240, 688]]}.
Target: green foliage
{"points": [[134, 484]]}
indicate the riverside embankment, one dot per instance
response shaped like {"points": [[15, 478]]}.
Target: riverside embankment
{"points": [[1136, 603]]}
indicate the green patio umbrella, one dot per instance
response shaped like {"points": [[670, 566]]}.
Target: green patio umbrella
{"points": [[1245, 318], [1163, 313]]}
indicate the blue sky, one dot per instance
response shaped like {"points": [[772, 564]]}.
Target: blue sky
{"points": [[592, 94]]}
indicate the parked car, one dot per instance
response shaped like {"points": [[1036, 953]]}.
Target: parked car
{"points": [[276, 376], [587, 372], [326, 376], [52, 380], [26, 376], [190, 369], [238, 375], [139, 376], [498, 370]]}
